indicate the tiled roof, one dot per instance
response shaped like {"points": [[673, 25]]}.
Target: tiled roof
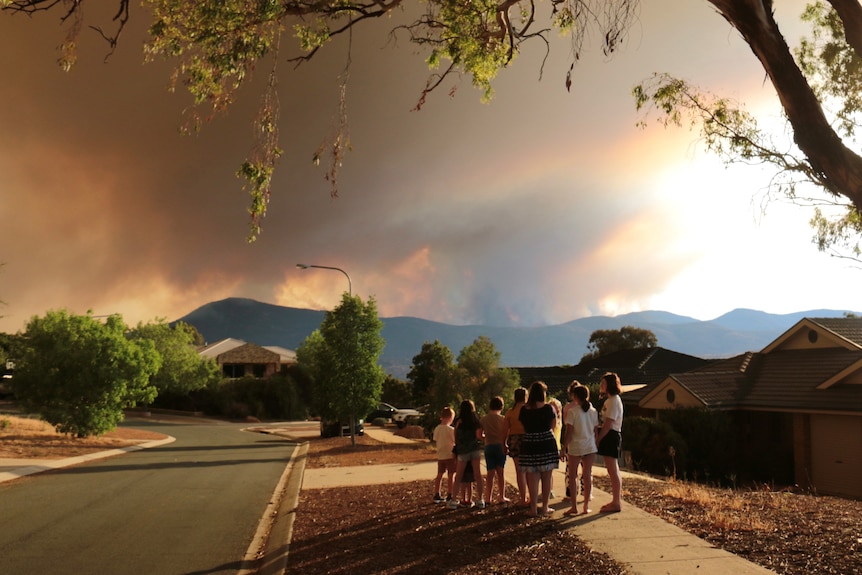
{"points": [[783, 380], [645, 366], [249, 353], [220, 348], [789, 380], [848, 328]]}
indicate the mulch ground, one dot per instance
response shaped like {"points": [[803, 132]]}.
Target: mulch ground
{"points": [[395, 529]]}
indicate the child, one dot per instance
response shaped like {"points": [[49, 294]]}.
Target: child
{"points": [[581, 422], [468, 440], [495, 429], [515, 432], [444, 438], [466, 492]]}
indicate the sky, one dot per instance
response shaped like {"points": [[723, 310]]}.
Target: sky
{"points": [[542, 207]]}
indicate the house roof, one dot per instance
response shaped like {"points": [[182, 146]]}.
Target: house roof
{"points": [[249, 353], [644, 367], [218, 350], [814, 366]]}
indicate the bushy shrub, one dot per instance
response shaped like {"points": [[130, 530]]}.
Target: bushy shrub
{"points": [[378, 422], [704, 445], [649, 442], [711, 439], [277, 397]]}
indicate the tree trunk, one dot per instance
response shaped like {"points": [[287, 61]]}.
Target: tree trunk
{"points": [[840, 167]]}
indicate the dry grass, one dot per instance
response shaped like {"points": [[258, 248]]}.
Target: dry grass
{"points": [[29, 438]]}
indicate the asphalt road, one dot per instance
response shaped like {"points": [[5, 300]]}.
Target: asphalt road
{"points": [[190, 507]]}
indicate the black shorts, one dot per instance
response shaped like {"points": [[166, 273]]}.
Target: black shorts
{"points": [[611, 444]]}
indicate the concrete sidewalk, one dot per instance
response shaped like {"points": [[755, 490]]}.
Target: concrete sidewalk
{"points": [[646, 544]]}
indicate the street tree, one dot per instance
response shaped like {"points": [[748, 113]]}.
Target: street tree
{"points": [[480, 376], [182, 368], [435, 361], [342, 359], [397, 392], [217, 44], [79, 373], [605, 341]]}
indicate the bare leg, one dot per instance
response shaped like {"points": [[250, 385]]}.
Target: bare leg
{"points": [[522, 483], [613, 468], [489, 485], [501, 485], [533, 489], [547, 482], [587, 466], [573, 462], [477, 472], [459, 475]]}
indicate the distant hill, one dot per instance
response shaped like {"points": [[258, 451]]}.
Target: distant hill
{"points": [[733, 333]]}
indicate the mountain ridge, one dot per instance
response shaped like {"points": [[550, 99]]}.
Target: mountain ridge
{"points": [[730, 334]]}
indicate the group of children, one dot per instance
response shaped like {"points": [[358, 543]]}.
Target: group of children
{"points": [[531, 433]]}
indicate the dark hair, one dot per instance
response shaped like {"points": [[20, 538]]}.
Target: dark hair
{"points": [[583, 394], [575, 383], [538, 393], [467, 415], [612, 383], [496, 403], [520, 395]]}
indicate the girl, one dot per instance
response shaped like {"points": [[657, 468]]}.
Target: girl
{"points": [[581, 423], [609, 438], [539, 451], [468, 443]]}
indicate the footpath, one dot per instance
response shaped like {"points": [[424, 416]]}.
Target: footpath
{"points": [[643, 542]]}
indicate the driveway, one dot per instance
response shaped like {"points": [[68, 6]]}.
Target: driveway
{"points": [[189, 507]]}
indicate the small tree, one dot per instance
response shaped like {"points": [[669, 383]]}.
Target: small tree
{"points": [[79, 374], [605, 341], [342, 358], [397, 392], [182, 368], [433, 362], [480, 375]]}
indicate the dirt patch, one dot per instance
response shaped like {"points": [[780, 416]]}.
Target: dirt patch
{"points": [[26, 438], [338, 452]]}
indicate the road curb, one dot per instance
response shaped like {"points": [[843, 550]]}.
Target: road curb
{"points": [[274, 558]]}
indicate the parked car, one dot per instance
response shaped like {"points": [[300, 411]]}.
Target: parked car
{"points": [[384, 410], [405, 416], [337, 428]]}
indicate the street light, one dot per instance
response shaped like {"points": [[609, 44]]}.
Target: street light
{"points": [[349, 283]]}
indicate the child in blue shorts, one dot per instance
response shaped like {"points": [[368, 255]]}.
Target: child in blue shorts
{"points": [[496, 430]]}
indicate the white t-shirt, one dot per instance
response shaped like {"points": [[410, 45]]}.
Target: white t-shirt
{"points": [[583, 439], [613, 409], [444, 437]]}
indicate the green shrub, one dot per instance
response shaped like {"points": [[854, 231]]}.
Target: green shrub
{"points": [[649, 442], [378, 422]]}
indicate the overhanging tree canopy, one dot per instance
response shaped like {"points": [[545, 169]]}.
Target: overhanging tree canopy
{"points": [[217, 42]]}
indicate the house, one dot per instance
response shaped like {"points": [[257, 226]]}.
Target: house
{"points": [[237, 358], [639, 370], [798, 403]]}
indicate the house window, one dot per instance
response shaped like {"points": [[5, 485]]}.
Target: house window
{"points": [[812, 336], [670, 396], [233, 370], [259, 370]]}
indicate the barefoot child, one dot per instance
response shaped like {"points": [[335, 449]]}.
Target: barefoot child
{"points": [[444, 438], [581, 423], [494, 426]]}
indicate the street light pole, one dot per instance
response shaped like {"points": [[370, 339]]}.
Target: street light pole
{"points": [[350, 293], [349, 283]]}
